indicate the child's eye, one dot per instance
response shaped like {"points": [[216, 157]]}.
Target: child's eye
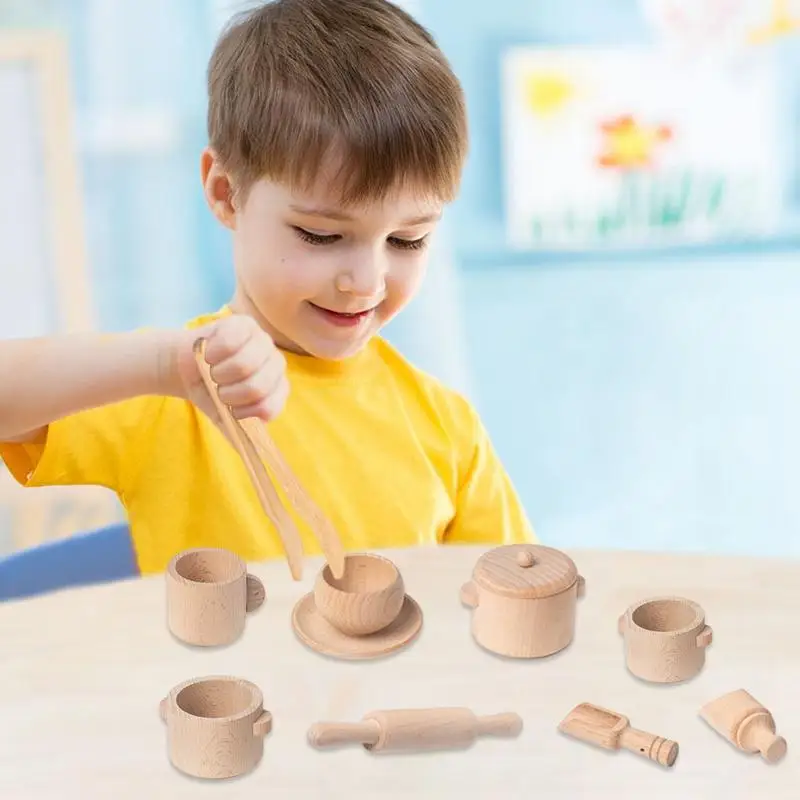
{"points": [[315, 238], [408, 244]]}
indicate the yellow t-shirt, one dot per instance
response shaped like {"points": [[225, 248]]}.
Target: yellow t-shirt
{"points": [[392, 457]]}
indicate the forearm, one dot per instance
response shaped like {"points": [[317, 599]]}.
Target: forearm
{"points": [[43, 380]]}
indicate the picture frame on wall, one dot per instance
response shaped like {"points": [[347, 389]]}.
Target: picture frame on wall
{"points": [[614, 148], [44, 281]]}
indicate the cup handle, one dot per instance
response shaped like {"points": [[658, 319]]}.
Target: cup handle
{"points": [[705, 637], [163, 709], [256, 594], [469, 595], [621, 623], [580, 586], [263, 725]]}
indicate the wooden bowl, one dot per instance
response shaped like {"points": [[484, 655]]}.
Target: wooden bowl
{"points": [[366, 599]]}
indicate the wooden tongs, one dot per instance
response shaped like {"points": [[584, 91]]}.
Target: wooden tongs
{"points": [[255, 446]]}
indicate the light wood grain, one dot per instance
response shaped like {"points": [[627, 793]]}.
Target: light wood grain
{"points": [[415, 729], [524, 599], [665, 639], [746, 724], [612, 731], [208, 596], [82, 673], [258, 452], [216, 726]]}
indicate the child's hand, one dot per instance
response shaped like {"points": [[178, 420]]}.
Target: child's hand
{"points": [[245, 364]]}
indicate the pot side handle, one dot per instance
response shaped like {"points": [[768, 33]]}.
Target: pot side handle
{"points": [[163, 709], [580, 586], [263, 725], [705, 637], [469, 595], [622, 623]]}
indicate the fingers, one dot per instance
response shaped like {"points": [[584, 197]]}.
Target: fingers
{"points": [[229, 336], [268, 408], [255, 388], [247, 367], [255, 355]]}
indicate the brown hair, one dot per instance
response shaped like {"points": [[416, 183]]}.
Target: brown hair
{"points": [[294, 82]]}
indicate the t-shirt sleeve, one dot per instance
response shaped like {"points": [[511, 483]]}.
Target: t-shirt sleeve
{"points": [[97, 447], [488, 509]]}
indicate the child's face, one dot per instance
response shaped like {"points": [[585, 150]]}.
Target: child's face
{"points": [[303, 263]]}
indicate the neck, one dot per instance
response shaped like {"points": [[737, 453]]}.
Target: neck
{"points": [[241, 303]]}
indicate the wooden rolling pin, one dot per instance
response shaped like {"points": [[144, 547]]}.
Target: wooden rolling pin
{"points": [[415, 729], [612, 731]]}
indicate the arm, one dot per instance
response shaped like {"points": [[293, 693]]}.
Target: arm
{"points": [[45, 380]]}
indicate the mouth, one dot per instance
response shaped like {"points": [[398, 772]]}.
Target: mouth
{"points": [[346, 319]]}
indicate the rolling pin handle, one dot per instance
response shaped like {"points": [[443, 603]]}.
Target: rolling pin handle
{"points": [[330, 734], [506, 724]]}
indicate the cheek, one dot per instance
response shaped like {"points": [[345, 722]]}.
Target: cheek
{"points": [[403, 281], [266, 259]]}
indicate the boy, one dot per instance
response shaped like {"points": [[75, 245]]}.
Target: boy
{"points": [[337, 133]]}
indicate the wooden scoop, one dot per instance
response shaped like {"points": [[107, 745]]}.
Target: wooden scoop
{"points": [[746, 724], [612, 731], [255, 446], [415, 729]]}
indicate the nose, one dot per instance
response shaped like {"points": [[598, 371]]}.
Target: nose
{"points": [[364, 276]]}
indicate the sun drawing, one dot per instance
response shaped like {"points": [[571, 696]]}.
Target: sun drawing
{"points": [[782, 22], [547, 92], [629, 144]]}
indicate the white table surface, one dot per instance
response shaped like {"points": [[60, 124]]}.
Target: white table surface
{"points": [[82, 673]]}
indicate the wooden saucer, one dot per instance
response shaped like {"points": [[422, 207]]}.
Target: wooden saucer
{"points": [[318, 634]]}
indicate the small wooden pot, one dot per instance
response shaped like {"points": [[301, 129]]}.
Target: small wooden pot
{"points": [[665, 639], [366, 599], [215, 726], [524, 599], [209, 594]]}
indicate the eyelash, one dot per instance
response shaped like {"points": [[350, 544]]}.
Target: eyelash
{"points": [[399, 244]]}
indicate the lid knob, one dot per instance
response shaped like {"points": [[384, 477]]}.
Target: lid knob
{"points": [[525, 558]]}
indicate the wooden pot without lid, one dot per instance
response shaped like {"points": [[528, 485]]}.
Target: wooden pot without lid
{"points": [[665, 639], [524, 598], [215, 726]]}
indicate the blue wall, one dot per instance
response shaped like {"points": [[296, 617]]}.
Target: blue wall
{"points": [[647, 406], [645, 402]]}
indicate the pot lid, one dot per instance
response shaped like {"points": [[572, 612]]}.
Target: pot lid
{"points": [[525, 571]]}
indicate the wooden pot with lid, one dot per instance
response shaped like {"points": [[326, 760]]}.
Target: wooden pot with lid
{"points": [[524, 600]]}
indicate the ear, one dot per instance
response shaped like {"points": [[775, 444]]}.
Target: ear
{"points": [[218, 188]]}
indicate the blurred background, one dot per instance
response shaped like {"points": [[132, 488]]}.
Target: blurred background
{"points": [[617, 288]]}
